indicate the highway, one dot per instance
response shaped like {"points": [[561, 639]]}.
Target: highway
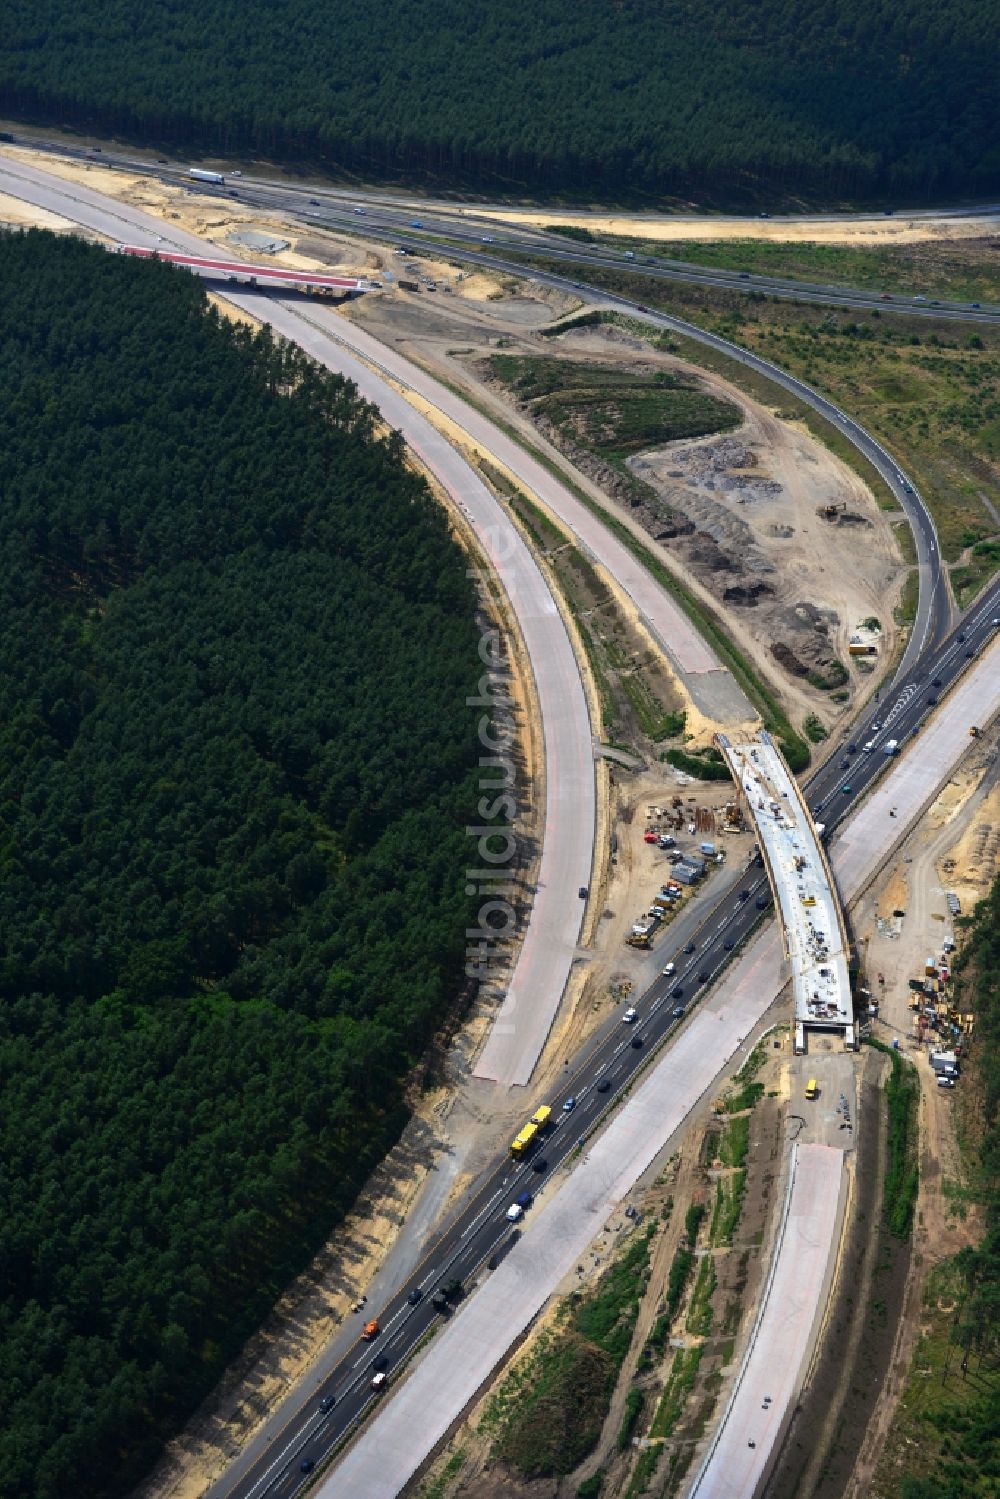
{"points": [[442, 229], [934, 613], [597, 1079], [612, 1057], [934, 610]]}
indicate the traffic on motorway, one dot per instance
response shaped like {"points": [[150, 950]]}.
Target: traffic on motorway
{"points": [[340, 210], [486, 1227]]}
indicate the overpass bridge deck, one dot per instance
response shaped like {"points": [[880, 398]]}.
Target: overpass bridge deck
{"points": [[812, 922]]}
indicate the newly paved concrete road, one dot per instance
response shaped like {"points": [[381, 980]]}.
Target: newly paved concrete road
{"points": [[781, 1341], [464, 1353], [711, 685], [460, 1359], [549, 944], [868, 840]]}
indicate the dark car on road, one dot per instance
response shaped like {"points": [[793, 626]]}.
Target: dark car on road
{"points": [[415, 1296], [689, 948], [677, 993], [604, 1086]]}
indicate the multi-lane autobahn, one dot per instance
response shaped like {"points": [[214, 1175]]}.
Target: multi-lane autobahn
{"points": [[605, 1066], [441, 229], [595, 1082]]}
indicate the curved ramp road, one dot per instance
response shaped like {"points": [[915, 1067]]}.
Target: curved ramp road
{"points": [[674, 631], [549, 944]]}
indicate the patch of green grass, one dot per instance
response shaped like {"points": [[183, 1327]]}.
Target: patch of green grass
{"points": [[835, 675], [436, 1487], [814, 730], [547, 1415], [634, 1401], [692, 1222], [676, 1390], [728, 1205], [677, 1280], [943, 1440], [735, 1142], [642, 1475], [754, 1062], [699, 1318], [571, 231], [906, 609], [907, 270], [559, 1417], [655, 1344], [656, 722], [591, 1487], [695, 765], [902, 1092], [746, 1098], [968, 578]]}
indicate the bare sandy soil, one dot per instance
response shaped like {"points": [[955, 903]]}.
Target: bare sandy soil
{"points": [[778, 571], [955, 848], [864, 230], [752, 544]]}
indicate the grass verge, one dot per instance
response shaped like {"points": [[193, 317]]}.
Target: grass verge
{"points": [[928, 390], [547, 1415]]}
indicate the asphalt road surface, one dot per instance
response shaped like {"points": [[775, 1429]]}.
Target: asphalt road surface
{"points": [[479, 1229], [430, 223]]}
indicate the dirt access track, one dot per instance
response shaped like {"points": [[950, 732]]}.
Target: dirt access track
{"points": [[865, 229]]}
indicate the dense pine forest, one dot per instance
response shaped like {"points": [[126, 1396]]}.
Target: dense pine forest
{"points": [[731, 101], [236, 764]]}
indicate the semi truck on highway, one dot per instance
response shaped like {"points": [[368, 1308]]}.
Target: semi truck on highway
{"points": [[200, 176], [523, 1142]]}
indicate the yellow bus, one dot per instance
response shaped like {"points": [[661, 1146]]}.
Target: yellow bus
{"points": [[812, 1088]]}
